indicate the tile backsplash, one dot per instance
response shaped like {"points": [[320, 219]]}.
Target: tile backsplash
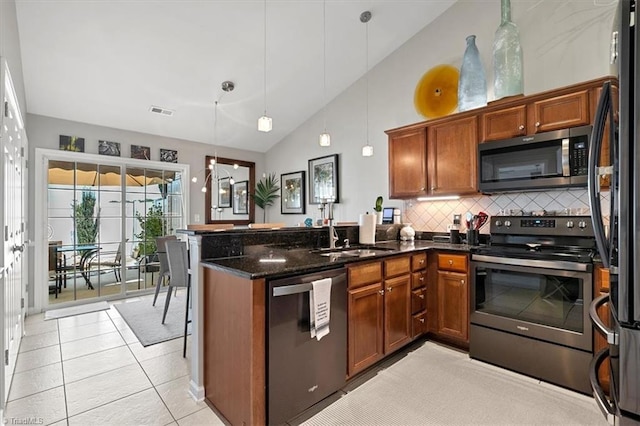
{"points": [[434, 216]]}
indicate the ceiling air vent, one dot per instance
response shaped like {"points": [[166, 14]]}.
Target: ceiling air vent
{"points": [[161, 111]]}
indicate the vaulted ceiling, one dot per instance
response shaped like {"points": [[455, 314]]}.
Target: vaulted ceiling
{"points": [[106, 62]]}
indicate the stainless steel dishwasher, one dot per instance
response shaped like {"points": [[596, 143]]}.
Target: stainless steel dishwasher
{"points": [[300, 369]]}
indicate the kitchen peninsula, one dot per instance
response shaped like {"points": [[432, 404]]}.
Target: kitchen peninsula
{"points": [[230, 336]]}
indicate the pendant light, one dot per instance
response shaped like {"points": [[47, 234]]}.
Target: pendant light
{"points": [[325, 138], [212, 172], [265, 124], [365, 17]]}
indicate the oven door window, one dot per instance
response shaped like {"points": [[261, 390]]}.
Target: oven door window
{"points": [[540, 298]]}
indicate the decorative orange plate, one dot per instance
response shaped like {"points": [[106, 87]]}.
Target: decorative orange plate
{"points": [[437, 91]]}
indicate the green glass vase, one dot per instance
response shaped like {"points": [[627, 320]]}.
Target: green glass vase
{"points": [[507, 57]]}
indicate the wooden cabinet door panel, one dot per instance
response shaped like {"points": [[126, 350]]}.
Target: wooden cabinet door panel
{"points": [[397, 312], [504, 123], [452, 262], [396, 266], [418, 300], [364, 273], [418, 279], [408, 164], [453, 306], [561, 112], [419, 324], [365, 327], [418, 261], [452, 157]]}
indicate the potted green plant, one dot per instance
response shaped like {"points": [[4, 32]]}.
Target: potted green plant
{"points": [[152, 225], [266, 193], [378, 209], [86, 219]]}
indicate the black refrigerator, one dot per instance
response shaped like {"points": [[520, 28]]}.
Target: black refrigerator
{"points": [[619, 248]]}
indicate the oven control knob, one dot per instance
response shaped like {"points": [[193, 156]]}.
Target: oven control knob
{"points": [[582, 224], [498, 223], [507, 223], [569, 224]]}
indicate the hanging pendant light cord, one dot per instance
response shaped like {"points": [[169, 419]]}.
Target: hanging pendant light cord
{"points": [[367, 78], [265, 57], [324, 63]]}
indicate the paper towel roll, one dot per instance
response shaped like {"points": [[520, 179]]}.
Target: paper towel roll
{"points": [[367, 224]]}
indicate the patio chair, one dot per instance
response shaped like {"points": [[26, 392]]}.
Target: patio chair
{"points": [[180, 277], [115, 263]]}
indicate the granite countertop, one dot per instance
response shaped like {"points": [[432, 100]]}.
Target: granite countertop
{"points": [[265, 261]]}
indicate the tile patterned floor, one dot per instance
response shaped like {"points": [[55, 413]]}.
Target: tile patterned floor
{"points": [[90, 369]]}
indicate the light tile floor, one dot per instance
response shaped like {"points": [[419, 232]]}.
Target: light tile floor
{"points": [[90, 369]]}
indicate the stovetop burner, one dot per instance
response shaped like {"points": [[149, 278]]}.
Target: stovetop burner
{"points": [[562, 238], [565, 254]]}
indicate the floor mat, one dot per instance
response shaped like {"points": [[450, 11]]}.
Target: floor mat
{"points": [[146, 321], [76, 310]]}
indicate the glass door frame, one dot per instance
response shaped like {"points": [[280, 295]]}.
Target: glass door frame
{"points": [[41, 162]]}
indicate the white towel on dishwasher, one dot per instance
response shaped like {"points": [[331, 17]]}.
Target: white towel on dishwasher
{"points": [[320, 307]]}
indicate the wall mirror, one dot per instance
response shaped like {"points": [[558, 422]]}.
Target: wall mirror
{"points": [[230, 185]]}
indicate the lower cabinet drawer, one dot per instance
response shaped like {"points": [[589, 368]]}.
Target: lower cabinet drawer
{"points": [[418, 300], [418, 324]]}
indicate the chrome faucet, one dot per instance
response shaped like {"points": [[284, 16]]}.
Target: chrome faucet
{"points": [[333, 234]]}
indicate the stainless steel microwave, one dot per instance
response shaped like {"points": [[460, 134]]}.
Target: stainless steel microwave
{"points": [[557, 159]]}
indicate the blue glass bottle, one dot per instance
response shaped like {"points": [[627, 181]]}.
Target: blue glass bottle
{"points": [[507, 57], [472, 85]]}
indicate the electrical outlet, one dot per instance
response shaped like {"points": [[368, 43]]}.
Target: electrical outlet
{"points": [[196, 218]]}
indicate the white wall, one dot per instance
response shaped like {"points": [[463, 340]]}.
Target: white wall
{"points": [[563, 43]]}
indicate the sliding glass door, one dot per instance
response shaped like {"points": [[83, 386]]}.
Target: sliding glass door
{"points": [[103, 216]]}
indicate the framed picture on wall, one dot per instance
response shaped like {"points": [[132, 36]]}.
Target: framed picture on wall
{"points": [[71, 143], [292, 199], [168, 155], [224, 193], [109, 148], [323, 180], [240, 197], [140, 152]]}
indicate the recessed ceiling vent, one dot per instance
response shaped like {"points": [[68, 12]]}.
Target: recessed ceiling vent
{"points": [[161, 111]]}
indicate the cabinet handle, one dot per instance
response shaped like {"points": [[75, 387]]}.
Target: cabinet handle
{"points": [[461, 281], [422, 189], [422, 320], [433, 188], [537, 124], [521, 127], [389, 289], [381, 292], [422, 261], [450, 262], [421, 279], [421, 296]]}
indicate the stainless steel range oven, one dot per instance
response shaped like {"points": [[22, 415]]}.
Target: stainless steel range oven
{"points": [[530, 293]]}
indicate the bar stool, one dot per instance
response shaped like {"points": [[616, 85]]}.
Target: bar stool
{"points": [[180, 277], [161, 251]]}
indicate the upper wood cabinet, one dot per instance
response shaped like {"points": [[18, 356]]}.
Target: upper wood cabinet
{"points": [[452, 157], [408, 163], [439, 156], [543, 115], [504, 123]]}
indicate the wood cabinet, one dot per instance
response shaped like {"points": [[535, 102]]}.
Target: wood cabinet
{"points": [[379, 315], [452, 298], [439, 156], [452, 157], [408, 163], [539, 115], [601, 286], [418, 294]]}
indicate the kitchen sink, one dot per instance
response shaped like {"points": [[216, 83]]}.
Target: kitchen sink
{"points": [[354, 252]]}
